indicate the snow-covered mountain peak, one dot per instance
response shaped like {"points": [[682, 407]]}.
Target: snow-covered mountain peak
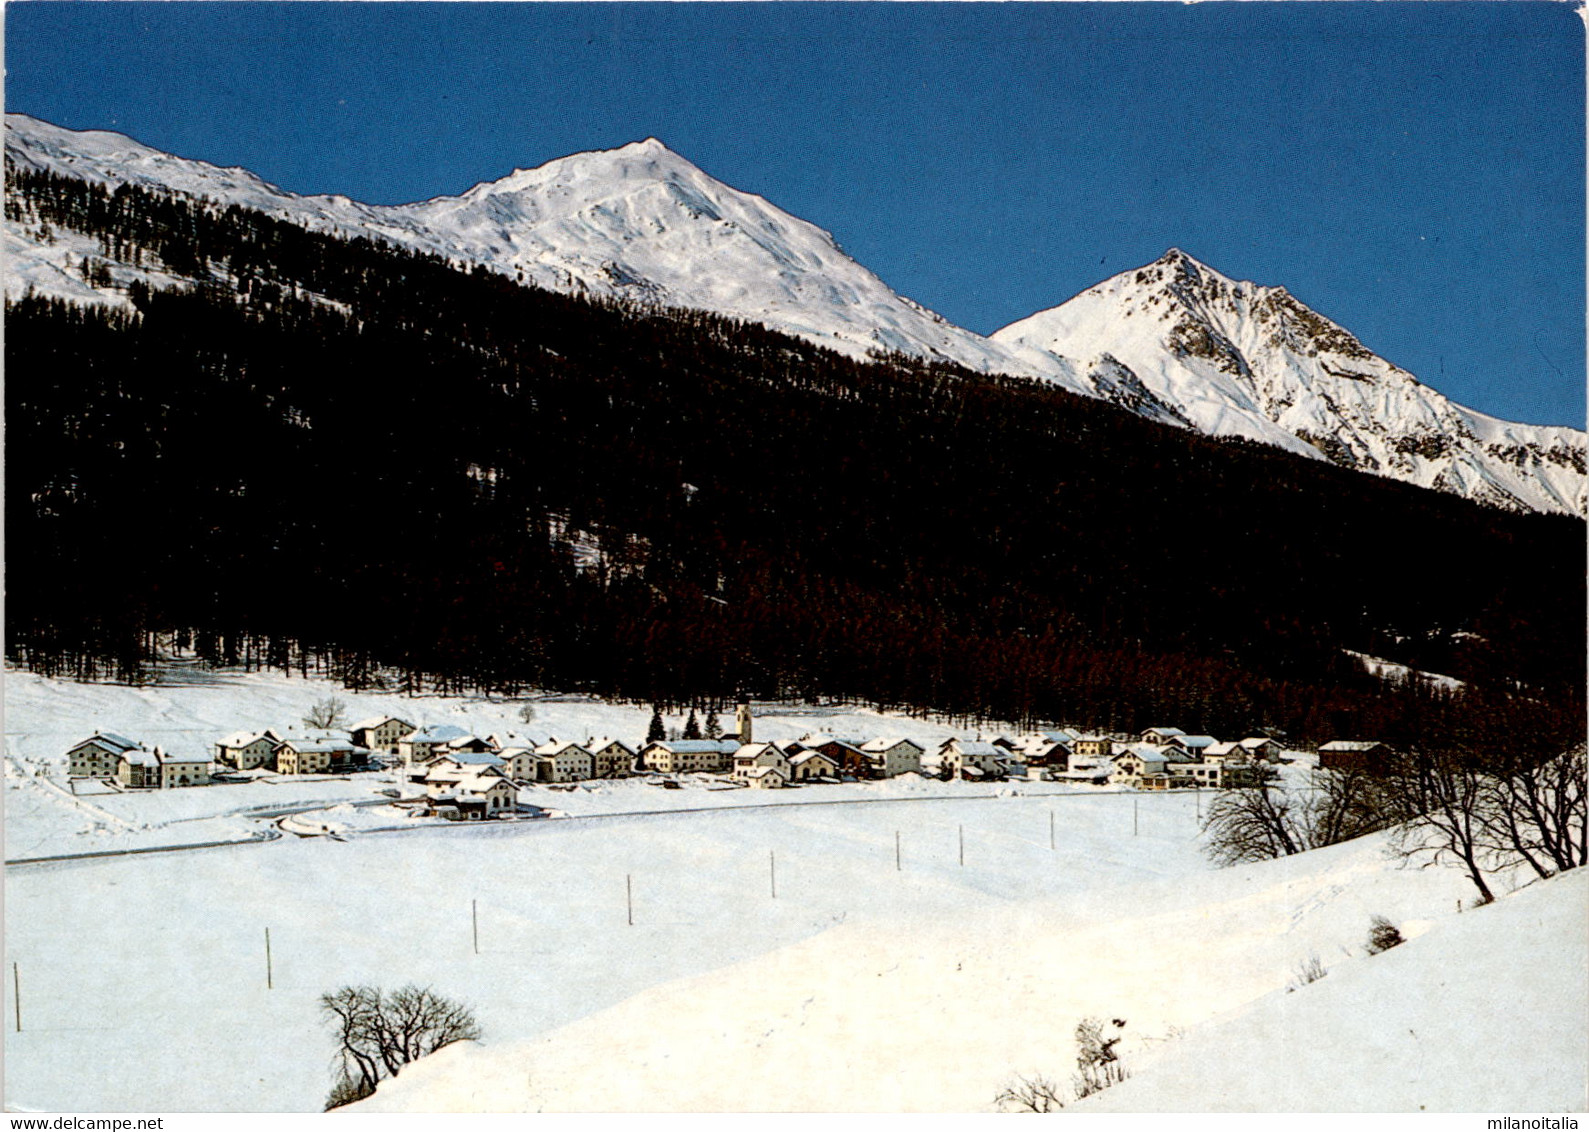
{"points": [[1174, 340], [1236, 358]]}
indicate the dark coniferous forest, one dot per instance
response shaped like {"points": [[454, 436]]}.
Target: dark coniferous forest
{"points": [[338, 452]]}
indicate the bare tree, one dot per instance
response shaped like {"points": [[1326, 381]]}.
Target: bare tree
{"points": [[379, 1033], [1030, 1094], [1252, 824], [527, 713], [1535, 809], [327, 713], [1439, 798]]}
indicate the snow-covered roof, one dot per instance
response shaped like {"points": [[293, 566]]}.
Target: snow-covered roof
{"points": [[475, 758], [115, 740], [1164, 732], [1223, 748], [559, 747], [1255, 741], [878, 746], [140, 757], [800, 758], [1351, 745], [444, 733], [243, 738], [979, 747], [377, 720], [762, 771], [1196, 742], [322, 746], [751, 750], [171, 760], [1062, 735], [698, 746], [603, 743]]}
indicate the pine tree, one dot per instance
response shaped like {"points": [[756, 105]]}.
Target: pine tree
{"points": [[714, 727], [656, 733], [692, 729]]}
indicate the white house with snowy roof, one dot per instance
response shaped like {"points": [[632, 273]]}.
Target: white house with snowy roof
{"points": [[380, 733], [183, 770], [419, 747], [689, 756], [245, 750], [97, 756], [960, 756], [1158, 736], [893, 757], [563, 761], [319, 753], [752, 755], [764, 777], [611, 758], [1144, 766], [808, 766], [469, 792]]}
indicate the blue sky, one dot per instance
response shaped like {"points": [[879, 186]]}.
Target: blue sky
{"points": [[1413, 171]]}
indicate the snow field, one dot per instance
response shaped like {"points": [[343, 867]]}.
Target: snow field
{"points": [[141, 975]]}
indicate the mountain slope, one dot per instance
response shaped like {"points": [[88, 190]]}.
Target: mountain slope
{"points": [[638, 222], [1239, 359], [642, 223]]}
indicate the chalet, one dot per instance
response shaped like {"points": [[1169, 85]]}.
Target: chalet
{"points": [[1092, 748], [807, 766], [1044, 755], [1259, 747], [562, 761], [98, 755], [1224, 752], [1158, 736], [611, 759], [689, 756], [959, 756], [1146, 766], [1193, 745], [1060, 735], [183, 770], [245, 750], [380, 733], [473, 792], [765, 778], [1356, 754], [318, 754], [889, 758], [753, 755]]}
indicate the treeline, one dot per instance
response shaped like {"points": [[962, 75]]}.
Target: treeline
{"points": [[340, 450]]}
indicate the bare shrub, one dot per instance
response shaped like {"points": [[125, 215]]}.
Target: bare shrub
{"points": [[1097, 1064], [1310, 970], [1030, 1094], [527, 713], [1382, 936]]}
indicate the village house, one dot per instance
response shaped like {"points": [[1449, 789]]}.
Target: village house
{"points": [[562, 761], [518, 763], [139, 769], [1092, 748], [890, 758], [765, 778], [808, 766], [689, 756], [970, 758], [611, 759], [183, 770], [1356, 754], [318, 754], [1146, 766], [1193, 745], [1259, 747], [380, 733], [98, 755], [245, 750], [419, 747], [469, 793], [753, 755], [1158, 736], [1043, 755]]}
